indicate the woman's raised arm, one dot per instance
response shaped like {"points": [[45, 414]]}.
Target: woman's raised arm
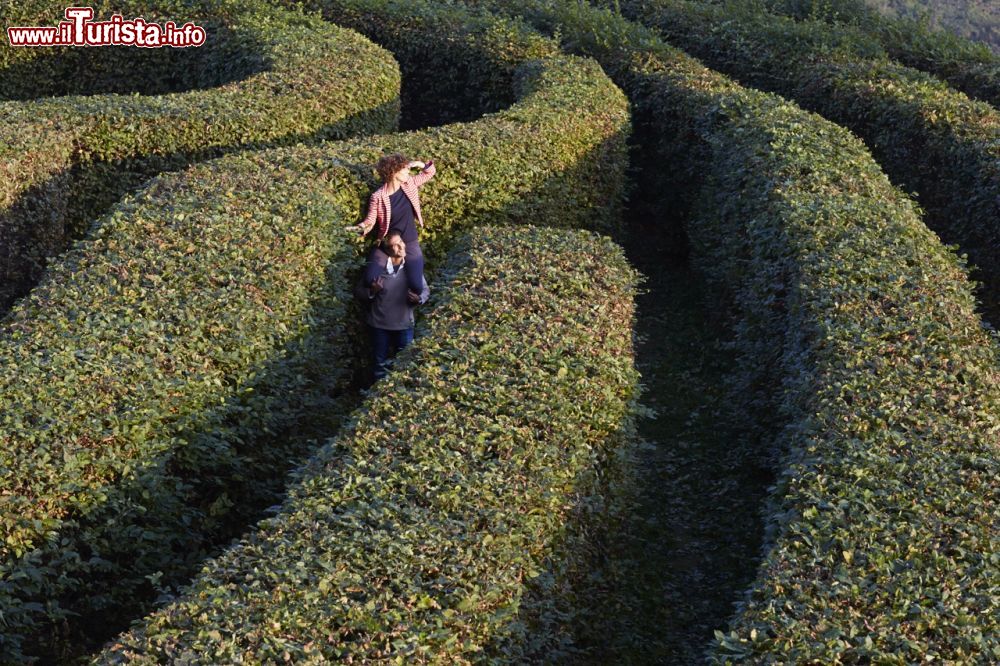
{"points": [[428, 171]]}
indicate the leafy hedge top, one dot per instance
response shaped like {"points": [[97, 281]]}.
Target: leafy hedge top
{"points": [[929, 138], [293, 76], [273, 78], [413, 534], [884, 521], [187, 209], [156, 263], [524, 181], [166, 276], [134, 376], [31, 73], [483, 52], [882, 531]]}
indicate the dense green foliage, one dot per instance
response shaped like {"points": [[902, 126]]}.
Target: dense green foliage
{"points": [[264, 77], [858, 330], [484, 57], [929, 138], [156, 381], [203, 334], [413, 536], [963, 29], [967, 65], [885, 513], [142, 377]]}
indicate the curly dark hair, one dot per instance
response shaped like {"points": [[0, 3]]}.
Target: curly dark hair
{"points": [[390, 164]]}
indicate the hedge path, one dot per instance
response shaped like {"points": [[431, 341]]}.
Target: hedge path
{"points": [[930, 139], [883, 396], [414, 535], [967, 65], [865, 368]]}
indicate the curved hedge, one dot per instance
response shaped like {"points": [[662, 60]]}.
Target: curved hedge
{"points": [[202, 345], [58, 71], [275, 77], [883, 528], [472, 52], [928, 137], [967, 65], [414, 534], [858, 330], [140, 377]]}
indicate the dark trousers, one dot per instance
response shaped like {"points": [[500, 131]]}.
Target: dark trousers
{"points": [[414, 267], [382, 343]]}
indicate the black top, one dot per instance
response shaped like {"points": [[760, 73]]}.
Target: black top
{"points": [[401, 216]]}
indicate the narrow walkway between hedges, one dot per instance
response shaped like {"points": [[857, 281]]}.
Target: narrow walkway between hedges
{"points": [[690, 548]]}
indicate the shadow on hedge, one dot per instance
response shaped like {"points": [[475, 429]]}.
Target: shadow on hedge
{"points": [[216, 503]]}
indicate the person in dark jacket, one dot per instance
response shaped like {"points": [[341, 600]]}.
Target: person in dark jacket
{"points": [[390, 301]]}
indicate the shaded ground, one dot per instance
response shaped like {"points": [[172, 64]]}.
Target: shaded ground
{"points": [[689, 547]]}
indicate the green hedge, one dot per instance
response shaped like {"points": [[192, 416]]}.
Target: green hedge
{"points": [[883, 524], [226, 278], [264, 77], [414, 535], [969, 66], [929, 138], [144, 380], [470, 50], [858, 331]]}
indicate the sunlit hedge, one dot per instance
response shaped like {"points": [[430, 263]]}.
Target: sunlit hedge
{"points": [[929, 138], [862, 352], [149, 381], [414, 535], [78, 141], [967, 65]]}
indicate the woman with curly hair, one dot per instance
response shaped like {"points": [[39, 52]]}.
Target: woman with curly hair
{"points": [[396, 206]]}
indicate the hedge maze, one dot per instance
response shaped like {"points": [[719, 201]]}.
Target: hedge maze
{"points": [[189, 473]]}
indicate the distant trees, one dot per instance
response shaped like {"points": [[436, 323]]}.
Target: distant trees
{"points": [[976, 19]]}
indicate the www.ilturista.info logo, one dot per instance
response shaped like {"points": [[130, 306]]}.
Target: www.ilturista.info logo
{"points": [[79, 30]]}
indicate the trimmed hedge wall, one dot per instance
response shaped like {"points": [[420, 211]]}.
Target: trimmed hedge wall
{"points": [[928, 137], [142, 381], [883, 528], [967, 65], [277, 79], [859, 332], [478, 51], [58, 71], [413, 536], [187, 332]]}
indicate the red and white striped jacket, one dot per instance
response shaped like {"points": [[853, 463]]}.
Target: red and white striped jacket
{"points": [[379, 209]]}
